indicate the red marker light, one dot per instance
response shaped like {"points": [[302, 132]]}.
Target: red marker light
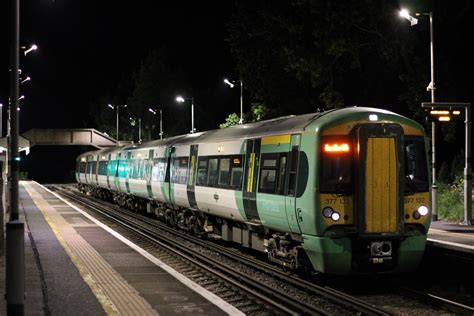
{"points": [[336, 147]]}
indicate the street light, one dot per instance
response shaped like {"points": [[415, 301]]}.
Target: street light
{"points": [[133, 121], [231, 84], [25, 80], [161, 120], [33, 47], [117, 107], [180, 99], [431, 87]]}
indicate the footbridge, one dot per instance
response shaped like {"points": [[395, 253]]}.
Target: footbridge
{"points": [[69, 136]]}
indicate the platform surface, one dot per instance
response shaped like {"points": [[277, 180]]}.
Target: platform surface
{"points": [[75, 265], [451, 236]]}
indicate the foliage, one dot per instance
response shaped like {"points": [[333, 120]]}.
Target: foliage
{"points": [[457, 166], [298, 55], [232, 119], [450, 200]]}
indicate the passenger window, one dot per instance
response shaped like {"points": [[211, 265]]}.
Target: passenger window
{"points": [[224, 172], [268, 173], [212, 172], [202, 172], [281, 174], [236, 173]]}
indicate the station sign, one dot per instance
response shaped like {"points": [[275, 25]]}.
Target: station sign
{"points": [[442, 111]]}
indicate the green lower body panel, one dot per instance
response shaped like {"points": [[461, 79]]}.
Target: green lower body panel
{"points": [[410, 253], [328, 255]]}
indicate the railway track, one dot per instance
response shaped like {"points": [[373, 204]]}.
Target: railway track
{"points": [[273, 290]]}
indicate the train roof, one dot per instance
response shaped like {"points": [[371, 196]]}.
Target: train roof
{"points": [[282, 125]]}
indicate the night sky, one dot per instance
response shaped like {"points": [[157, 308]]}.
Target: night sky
{"points": [[87, 47]]}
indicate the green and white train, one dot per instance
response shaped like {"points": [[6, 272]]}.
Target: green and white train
{"points": [[342, 191]]}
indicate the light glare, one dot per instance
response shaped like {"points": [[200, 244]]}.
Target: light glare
{"points": [[423, 210], [336, 147]]}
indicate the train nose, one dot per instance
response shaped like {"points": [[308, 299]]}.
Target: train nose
{"points": [[381, 248]]}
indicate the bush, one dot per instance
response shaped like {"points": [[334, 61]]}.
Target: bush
{"points": [[450, 200]]}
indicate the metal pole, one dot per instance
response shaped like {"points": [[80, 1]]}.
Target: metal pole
{"points": [[117, 122], [161, 124], [1, 120], [15, 268], [432, 87], [192, 115], [467, 170], [241, 101], [139, 130]]}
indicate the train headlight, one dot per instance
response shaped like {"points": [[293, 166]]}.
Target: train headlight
{"points": [[328, 211], [335, 216], [423, 210]]}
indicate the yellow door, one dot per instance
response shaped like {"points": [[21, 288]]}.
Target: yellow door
{"points": [[381, 186]]}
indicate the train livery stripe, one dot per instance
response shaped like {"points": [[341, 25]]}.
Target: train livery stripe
{"points": [[279, 139], [250, 179], [191, 175]]}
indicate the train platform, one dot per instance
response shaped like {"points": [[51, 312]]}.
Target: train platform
{"points": [[452, 236], [75, 265]]}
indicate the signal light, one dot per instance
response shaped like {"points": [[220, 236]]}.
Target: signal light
{"points": [[336, 147]]}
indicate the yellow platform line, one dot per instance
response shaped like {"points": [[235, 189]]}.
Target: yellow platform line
{"points": [[116, 296]]}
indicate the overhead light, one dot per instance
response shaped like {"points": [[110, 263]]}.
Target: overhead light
{"points": [[373, 117]]}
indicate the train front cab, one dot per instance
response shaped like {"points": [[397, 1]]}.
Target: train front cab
{"points": [[373, 198]]}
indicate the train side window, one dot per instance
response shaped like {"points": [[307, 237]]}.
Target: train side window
{"points": [[224, 172], [112, 168], [236, 173], [293, 170], [103, 168], [180, 166], [268, 173], [212, 172], [281, 173], [158, 170], [82, 167], [202, 172]]}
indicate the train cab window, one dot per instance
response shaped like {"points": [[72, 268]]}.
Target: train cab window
{"points": [[224, 172], [212, 172], [336, 170], [416, 172]]}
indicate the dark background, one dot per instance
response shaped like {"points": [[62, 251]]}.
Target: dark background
{"points": [[87, 49]]}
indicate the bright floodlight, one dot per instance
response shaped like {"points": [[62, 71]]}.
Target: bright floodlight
{"points": [[21, 98], [405, 14], [152, 111], [229, 83], [180, 99], [110, 106]]}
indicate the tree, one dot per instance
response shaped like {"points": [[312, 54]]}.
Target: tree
{"points": [[232, 119], [300, 55]]}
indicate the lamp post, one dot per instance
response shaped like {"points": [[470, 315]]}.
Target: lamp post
{"points": [[161, 120], [231, 84], [117, 107], [180, 99], [15, 255], [133, 121], [431, 87]]}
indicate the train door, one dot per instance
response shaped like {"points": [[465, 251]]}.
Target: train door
{"points": [[292, 213], [380, 178], [252, 155], [191, 176]]}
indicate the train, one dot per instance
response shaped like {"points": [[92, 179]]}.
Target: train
{"points": [[343, 191]]}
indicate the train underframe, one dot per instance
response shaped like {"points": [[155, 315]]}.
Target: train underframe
{"points": [[284, 249]]}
